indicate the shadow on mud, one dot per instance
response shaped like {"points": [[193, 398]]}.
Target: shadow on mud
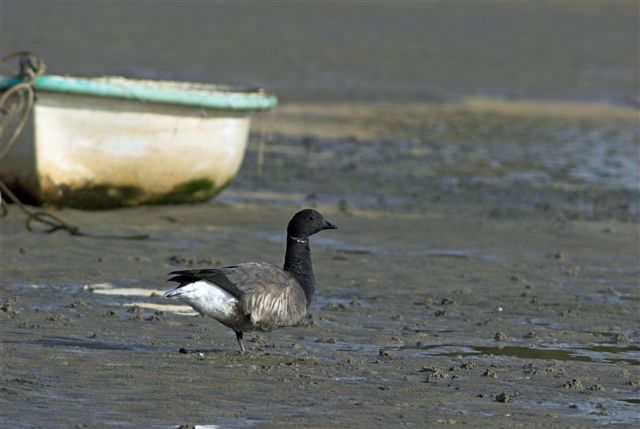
{"points": [[88, 343]]}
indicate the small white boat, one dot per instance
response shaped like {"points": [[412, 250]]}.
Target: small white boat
{"points": [[96, 143]]}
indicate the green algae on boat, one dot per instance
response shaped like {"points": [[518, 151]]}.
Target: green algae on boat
{"points": [[104, 197], [188, 192]]}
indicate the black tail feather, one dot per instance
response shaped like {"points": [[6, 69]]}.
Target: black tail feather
{"points": [[183, 279]]}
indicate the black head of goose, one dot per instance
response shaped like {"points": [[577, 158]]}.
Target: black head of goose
{"points": [[257, 296]]}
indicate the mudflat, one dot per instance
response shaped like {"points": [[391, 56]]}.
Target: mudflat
{"points": [[485, 272]]}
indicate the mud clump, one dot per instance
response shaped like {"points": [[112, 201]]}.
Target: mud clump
{"points": [[158, 315], [504, 397], [384, 355], [434, 373], [136, 311], [7, 310], [574, 384], [601, 410], [77, 304], [307, 321], [469, 365], [258, 340], [500, 336], [490, 373], [555, 370]]}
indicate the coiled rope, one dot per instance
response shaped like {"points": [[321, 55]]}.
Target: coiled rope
{"points": [[18, 101]]}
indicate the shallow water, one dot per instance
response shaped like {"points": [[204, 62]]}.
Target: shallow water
{"points": [[560, 352]]}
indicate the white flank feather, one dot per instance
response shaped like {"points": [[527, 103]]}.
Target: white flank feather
{"points": [[207, 299]]}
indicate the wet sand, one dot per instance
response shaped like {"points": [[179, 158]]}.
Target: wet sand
{"points": [[469, 283]]}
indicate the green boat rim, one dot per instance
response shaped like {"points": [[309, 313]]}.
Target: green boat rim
{"points": [[154, 91]]}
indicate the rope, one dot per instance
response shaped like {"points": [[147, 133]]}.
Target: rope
{"points": [[20, 98], [31, 66], [54, 222]]}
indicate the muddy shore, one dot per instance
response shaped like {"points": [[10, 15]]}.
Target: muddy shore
{"points": [[470, 284]]}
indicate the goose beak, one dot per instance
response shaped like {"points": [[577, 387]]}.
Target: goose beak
{"points": [[329, 225]]}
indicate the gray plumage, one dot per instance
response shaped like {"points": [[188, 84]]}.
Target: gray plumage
{"points": [[257, 295], [268, 297]]}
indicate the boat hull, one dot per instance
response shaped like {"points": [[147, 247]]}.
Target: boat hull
{"points": [[96, 153]]}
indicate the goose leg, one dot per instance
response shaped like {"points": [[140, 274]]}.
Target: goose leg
{"points": [[239, 336]]}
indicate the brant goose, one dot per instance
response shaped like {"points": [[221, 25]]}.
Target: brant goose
{"points": [[256, 295]]}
